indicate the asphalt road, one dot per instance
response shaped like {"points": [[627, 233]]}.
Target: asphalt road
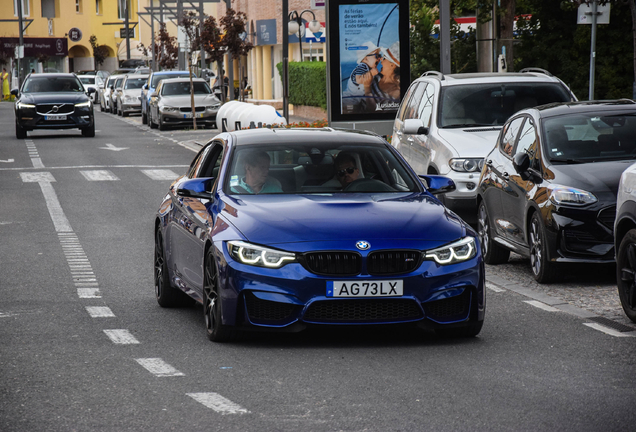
{"points": [[84, 345]]}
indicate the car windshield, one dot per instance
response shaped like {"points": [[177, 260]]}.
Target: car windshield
{"points": [[183, 88], [87, 79], [43, 84], [156, 79], [317, 169], [135, 83], [590, 137], [492, 104]]}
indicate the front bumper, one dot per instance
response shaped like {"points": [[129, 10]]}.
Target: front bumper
{"points": [[129, 108], [292, 297], [181, 118], [30, 119]]}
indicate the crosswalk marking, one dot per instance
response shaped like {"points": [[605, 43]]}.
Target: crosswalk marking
{"points": [[99, 312], [99, 175], [158, 367], [218, 403], [160, 174]]}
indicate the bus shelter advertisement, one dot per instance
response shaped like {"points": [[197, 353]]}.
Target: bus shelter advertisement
{"points": [[369, 58]]}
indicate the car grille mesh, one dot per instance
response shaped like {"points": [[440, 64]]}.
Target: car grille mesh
{"points": [[363, 310], [265, 310], [392, 262], [449, 309], [61, 108], [607, 216], [189, 109], [333, 263]]}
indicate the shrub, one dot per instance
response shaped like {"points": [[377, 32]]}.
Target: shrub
{"points": [[307, 83]]}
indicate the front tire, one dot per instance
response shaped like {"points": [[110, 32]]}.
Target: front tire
{"points": [[89, 131], [543, 269], [626, 274], [216, 330], [490, 250], [144, 117], [166, 295], [161, 125], [20, 132]]}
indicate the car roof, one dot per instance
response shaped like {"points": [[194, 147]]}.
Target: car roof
{"points": [[304, 135], [169, 72], [531, 75], [177, 80], [54, 75], [136, 76], [600, 106]]}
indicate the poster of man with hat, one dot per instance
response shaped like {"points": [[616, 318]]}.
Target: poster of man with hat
{"points": [[369, 58]]}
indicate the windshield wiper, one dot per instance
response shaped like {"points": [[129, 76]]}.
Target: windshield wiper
{"points": [[569, 161], [464, 125]]}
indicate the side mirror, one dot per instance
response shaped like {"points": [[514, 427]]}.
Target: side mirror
{"points": [[112, 87], [438, 184], [415, 127], [154, 95], [144, 87], [15, 92], [196, 188], [91, 90], [521, 162]]}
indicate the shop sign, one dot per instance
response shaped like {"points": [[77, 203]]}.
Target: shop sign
{"points": [[75, 34]]}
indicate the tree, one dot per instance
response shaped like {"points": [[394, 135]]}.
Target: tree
{"points": [[233, 24], [100, 52], [167, 49]]}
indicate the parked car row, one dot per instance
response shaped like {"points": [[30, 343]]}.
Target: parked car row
{"points": [[162, 98], [537, 171]]}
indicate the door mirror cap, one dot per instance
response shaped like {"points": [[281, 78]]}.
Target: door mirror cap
{"points": [[521, 162], [437, 184], [415, 127]]}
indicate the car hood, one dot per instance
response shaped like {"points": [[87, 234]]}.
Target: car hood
{"points": [[53, 98], [471, 142], [184, 101], [132, 92], [594, 177], [278, 219]]}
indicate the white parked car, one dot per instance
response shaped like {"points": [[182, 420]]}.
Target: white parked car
{"points": [[625, 241], [129, 99], [104, 93], [446, 124], [94, 82]]}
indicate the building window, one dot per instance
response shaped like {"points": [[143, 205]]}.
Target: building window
{"points": [[121, 9], [26, 9], [78, 6], [48, 8], [98, 7], [316, 54]]}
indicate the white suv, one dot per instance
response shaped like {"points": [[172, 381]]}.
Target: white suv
{"points": [[446, 124]]}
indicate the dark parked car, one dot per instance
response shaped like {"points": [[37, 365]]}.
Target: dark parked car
{"points": [[548, 188], [625, 241], [340, 233], [53, 101]]}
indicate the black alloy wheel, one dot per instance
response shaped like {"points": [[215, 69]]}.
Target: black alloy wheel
{"points": [[162, 127], [216, 330], [626, 274], [167, 296], [490, 250], [543, 270], [144, 117], [89, 131]]}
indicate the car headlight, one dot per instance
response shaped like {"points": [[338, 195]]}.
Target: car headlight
{"points": [[466, 164], [461, 250], [212, 107], [168, 109], [247, 253], [83, 104], [571, 196], [22, 105], [129, 98]]}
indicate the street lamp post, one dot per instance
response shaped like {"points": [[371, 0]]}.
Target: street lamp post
{"points": [[296, 26]]}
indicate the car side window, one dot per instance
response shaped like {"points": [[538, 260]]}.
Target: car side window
{"points": [[407, 96], [210, 161], [510, 134], [426, 105], [411, 111], [529, 143]]}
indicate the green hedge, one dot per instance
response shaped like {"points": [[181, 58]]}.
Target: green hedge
{"points": [[307, 83]]}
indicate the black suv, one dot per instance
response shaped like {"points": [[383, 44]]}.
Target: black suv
{"points": [[53, 101]]}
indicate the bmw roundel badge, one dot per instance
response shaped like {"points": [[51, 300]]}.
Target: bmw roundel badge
{"points": [[363, 245]]}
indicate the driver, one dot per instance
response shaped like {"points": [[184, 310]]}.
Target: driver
{"points": [[346, 168], [257, 179]]}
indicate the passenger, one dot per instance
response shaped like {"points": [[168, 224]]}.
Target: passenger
{"points": [[256, 180]]}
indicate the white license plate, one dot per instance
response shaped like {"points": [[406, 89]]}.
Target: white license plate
{"points": [[189, 115], [383, 288], [55, 117]]}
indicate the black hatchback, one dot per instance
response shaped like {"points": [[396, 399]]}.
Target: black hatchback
{"points": [[53, 101], [548, 189]]}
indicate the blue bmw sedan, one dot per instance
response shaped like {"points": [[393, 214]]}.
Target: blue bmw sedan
{"points": [[282, 229]]}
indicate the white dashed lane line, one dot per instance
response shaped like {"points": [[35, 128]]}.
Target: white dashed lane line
{"points": [[100, 312], [218, 403], [121, 337], [99, 175], [158, 367]]}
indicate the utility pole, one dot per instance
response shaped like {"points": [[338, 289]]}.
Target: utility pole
{"points": [[593, 49], [20, 44], [126, 23], [230, 63], [444, 36]]}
